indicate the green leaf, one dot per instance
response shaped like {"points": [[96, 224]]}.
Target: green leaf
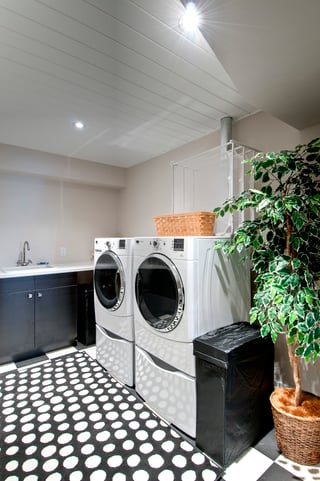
{"points": [[310, 337], [309, 299], [296, 263], [253, 316], [268, 190], [295, 242], [310, 319], [263, 204], [307, 351], [297, 220], [293, 317], [277, 327], [278, 299], [299, 311], [265, 177], [255, 191], [303, 328], [257, 175], [294, 280], [274, 337], [265, 330], [299, 351], [315, 355]]}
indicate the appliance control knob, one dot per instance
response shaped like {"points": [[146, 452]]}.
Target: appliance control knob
{"points": [[155, 243], [108, 244]]}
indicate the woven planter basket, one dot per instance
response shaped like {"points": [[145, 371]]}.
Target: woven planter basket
{"points": [[187, 224], [298, 439]]}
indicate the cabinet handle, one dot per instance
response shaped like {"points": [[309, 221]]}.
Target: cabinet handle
{"points": [[39, 294], [30, 295]]}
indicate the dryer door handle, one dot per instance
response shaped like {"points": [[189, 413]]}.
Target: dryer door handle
{"points": [[138, 288], [117, 283]]}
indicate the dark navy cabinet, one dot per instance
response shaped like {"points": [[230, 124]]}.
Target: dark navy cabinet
{"points": [[55, 310], [37, 314], [16, 317]]}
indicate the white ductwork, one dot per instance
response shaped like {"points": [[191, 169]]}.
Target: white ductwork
{"points": [[225, 130]]}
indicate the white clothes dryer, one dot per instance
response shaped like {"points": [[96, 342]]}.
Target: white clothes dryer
{"points": [[183, 289], [113, 304]]}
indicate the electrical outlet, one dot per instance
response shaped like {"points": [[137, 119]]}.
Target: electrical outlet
{"points": [[63, 251]]}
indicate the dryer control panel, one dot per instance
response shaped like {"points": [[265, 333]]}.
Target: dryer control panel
{"points": [[187, 248]]}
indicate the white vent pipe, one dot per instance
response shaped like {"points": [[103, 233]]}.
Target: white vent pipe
{"points": [[225, 130]]}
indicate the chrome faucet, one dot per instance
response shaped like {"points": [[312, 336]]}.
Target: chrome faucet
{"points": [[22, 258]]}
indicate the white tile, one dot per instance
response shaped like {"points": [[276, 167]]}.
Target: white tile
{"points": [[249, 467], [306, 473], [31, 365], [61, 352], [7, 367], [91, 351]]}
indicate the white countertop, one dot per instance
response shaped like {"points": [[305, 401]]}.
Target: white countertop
{"points": [[40, 270]]}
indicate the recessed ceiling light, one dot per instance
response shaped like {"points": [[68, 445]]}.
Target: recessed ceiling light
{"points": [[78, 124], [190, 20]]}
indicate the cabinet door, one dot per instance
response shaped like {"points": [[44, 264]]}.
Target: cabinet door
{"points": [[16, 325], [55, 317]]}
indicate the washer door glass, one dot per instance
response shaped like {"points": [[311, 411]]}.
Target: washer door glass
{"points": [[159, 292], [109, 280]]}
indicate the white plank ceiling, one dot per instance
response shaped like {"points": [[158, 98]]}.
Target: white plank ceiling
{"points": [[141, 87], [121, 66]]}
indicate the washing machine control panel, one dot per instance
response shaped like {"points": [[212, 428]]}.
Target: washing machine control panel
{"points": [[123, 246], [158, 244]]}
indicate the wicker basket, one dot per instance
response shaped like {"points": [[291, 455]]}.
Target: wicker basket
{"points": [[298, 439], [187, 224]]}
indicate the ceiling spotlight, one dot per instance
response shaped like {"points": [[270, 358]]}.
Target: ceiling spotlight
{"points": [[79, 125], [190, 20]]}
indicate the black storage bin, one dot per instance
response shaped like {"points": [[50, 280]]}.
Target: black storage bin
{"points": [[86, 319], [234, 379]]}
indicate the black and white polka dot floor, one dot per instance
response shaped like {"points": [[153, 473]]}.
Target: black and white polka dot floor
{"points": [[68, 419], [52, 430]]}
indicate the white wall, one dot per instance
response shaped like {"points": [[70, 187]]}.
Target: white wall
{"points": [[27, 161], [310, 133], [52, 214], [149, 186], [266, 133]]}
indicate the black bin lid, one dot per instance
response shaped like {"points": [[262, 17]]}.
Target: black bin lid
{"points": [[227, 342]]}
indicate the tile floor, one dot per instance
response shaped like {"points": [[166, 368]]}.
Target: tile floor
{"points": [[262, 462]]}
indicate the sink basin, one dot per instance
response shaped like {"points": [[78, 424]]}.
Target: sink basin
{"points": [[27, 268]]}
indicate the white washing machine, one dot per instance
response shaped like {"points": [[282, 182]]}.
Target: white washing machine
{"points": [[113, 304], [183, 289]]}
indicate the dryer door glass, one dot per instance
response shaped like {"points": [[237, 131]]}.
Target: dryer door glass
{"points": [[109, 280], [159, 292]]}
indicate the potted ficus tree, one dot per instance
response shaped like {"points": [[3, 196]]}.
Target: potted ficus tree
{"points": [[283, 244]]}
